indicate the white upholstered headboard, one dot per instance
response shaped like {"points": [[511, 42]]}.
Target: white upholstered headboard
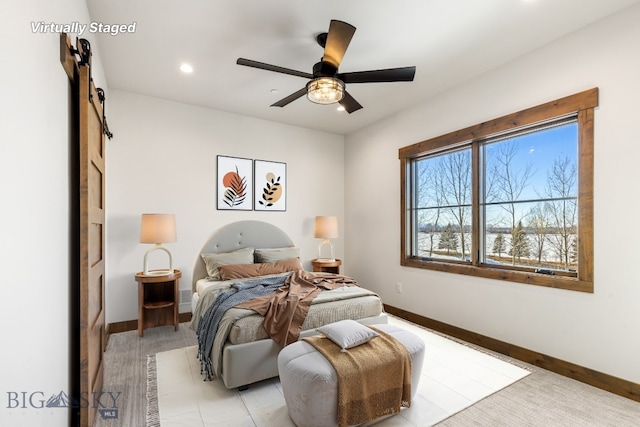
{"points": [[238, 235]]}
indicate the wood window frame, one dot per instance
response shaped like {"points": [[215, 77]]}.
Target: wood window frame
{"points": [[581, 104]]}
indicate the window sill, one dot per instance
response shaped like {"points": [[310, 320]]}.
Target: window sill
{"points": [[525, 277]]}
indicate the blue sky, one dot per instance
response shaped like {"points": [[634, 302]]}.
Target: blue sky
{"points": [[541, 149]]}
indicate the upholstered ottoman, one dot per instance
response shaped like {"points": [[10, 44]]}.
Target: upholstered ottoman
{"points": [[310, 384]]}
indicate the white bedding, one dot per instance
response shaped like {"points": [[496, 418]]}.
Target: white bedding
{"points": [[243, 325], [202, 284], [254, 361]]}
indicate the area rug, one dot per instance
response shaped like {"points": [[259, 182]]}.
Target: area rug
{"points": [[454, 377]]}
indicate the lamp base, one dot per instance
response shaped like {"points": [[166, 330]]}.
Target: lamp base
{"points": [[332, 258], [158, 273], [145, 267]]}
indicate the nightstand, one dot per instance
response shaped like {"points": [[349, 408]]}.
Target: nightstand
{"points": [[326, 266], [157, 300]]}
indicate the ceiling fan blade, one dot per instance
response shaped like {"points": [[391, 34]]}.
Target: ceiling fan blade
{"points": [[290, 98], [269, 67], [349, 103], [403, 74], [338, 39]]}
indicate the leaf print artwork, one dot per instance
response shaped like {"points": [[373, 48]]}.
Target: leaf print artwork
{"points": [[234, 183], [272, 191], [235, 188], [269, 186]]}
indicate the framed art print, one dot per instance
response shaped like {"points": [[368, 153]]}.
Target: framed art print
{"points": [[234, 183], [270, 186]]}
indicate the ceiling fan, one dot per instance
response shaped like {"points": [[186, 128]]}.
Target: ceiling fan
{"points": [[326, 85]]}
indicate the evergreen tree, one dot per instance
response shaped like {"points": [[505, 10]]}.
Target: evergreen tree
{"points": [[519, 242], [499, 245], [448, 239], [574, 251]]}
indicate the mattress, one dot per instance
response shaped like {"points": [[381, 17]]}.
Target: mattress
{"points": [[250, 328], [203, 284], [346, 302]]}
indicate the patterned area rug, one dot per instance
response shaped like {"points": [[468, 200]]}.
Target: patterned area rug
{"points": [[454, 377]]}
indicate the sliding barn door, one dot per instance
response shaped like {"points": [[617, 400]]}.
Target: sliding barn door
{"points": [[87, 149], [92, 327]]}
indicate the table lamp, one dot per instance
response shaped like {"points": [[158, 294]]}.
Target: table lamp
{"points": [[326, 229], [157, 229]]}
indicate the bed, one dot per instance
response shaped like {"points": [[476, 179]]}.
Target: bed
{"points": [[243, 352]]}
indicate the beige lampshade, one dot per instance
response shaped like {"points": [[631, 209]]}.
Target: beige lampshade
{"points": [[326, 227], [158, 228]]}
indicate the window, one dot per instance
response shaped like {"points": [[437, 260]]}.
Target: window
{"points": [[509, 199]]}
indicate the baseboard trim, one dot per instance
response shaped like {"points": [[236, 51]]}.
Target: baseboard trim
{"points": [[132, 325], [603, 381]]}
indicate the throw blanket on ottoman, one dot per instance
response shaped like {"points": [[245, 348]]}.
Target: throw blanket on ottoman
{"points": [[374, 379]]}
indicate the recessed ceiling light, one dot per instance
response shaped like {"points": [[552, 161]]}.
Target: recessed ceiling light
{"points": [[186, 68], [274, 90], [340, 108]]}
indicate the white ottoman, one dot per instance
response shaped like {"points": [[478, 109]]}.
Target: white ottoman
{"points": [[310, 384]]}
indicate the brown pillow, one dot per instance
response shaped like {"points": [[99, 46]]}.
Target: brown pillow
{"points": [[240, 271], [214, 260]]}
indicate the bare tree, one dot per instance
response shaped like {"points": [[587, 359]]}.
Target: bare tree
{"points": [[455, 173], [506, 184], [562, 208], [539, 226], [429, 200]]}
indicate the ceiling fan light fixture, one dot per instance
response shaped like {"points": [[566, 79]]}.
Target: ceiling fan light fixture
{"points": [[325, 90]]}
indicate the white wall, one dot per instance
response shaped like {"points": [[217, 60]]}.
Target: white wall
{"points": [[34, 218], [596, 330], [163, 159]]}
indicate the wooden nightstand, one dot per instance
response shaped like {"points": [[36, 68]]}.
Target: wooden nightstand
{"points": [[326, 266], [157, 300]]}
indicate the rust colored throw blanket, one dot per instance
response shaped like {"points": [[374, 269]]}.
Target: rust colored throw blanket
{"points": [[374, 379], [286, 309]]}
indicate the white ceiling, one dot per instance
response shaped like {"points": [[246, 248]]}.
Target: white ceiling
{"points": [[449, 41]]}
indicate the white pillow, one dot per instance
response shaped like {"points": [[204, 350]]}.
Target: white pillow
{"points": [[348, 333], [214, 260], [276, 254]]}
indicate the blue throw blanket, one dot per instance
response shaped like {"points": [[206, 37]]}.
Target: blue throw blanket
{"points": [[239, 292]]}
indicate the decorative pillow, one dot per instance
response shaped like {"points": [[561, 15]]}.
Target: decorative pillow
{"points": [[276, 254], [240, 271], [214, 260], [348, 333]]}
